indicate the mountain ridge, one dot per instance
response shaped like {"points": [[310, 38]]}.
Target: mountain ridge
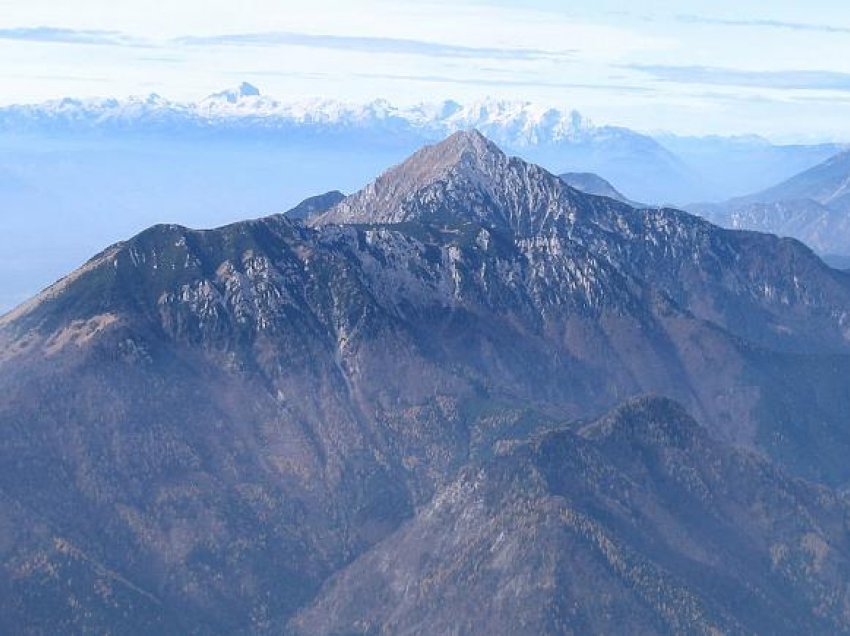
{"points": [[591, 183], [811, 206], [318, 386], [467, 163], [585, 497], [516, 123]]}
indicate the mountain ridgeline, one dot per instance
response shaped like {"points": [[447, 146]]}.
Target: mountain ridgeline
{"points": [[383, 413], [238, 152], [590, 183], [813, 206]]}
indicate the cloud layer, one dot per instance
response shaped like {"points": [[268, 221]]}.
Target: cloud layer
{"points": [[68, 36], [765, 24], [382, 45], [788, 79], [374, 45]]}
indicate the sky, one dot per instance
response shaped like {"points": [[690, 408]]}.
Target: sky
{"points": [[780, 69]]}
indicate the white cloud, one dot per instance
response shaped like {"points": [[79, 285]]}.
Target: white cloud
{"points": [[408, 51]]}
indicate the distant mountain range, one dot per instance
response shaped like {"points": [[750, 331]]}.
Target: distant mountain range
{"points": [[245, 108], [667, 169], [813, 206], [551, 136], [79, 173], [385, 413], [739, 165]]}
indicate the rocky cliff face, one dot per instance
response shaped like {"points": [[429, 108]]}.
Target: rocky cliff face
{"points": [[201, 427]]}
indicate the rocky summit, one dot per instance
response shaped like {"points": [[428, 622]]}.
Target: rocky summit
{"points": [[381, 414]]}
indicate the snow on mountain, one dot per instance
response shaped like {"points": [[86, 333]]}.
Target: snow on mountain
{"points": [[517, 123], [560, 139], [656, 170]]}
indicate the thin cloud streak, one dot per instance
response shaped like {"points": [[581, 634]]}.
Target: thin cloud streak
{"points": [[787, 80], [375, 45], [363, 44], [46, 34], [440, 79], [765, 24]]}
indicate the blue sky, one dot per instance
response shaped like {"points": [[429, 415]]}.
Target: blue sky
{"points": [[781, 69]]}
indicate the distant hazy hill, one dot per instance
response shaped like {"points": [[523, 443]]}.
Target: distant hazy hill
{"points": [[813, 206], [828, 183], [674, 169], [590, 183], [739, 165]]}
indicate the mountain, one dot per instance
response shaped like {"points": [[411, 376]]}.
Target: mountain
{"points": [[116, 166], [235, 95], [514, 124], [314, 206], [200, 429], [813, 206], [638, 522], [590, 183], [828, 183], [557, 138], [739, 165], [657, 169]]}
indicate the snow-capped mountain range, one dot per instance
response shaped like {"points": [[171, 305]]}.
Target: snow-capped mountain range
{"points": [[559, 139], [515, 123], [663, 169]]}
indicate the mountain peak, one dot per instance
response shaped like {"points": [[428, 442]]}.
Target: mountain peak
{"points": [[466, 157], [246, 89], [468, 150], [470, 139], [233, 95], [653, 421]]}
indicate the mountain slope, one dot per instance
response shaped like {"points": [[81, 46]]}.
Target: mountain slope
{"points": [[742, 164], [223, 419], [590, 183], [828, 183], [638, 522], [813, 206], [314, 206]]}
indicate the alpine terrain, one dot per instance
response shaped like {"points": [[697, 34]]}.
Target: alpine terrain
{"points": [[468, 398], [813, 206], [117, 165]]}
